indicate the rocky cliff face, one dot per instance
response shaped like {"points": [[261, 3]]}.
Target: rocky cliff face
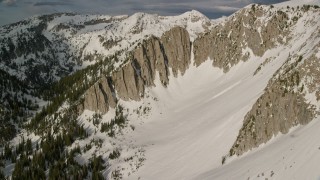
{"points": [[155, 55], [100, 97], [283, 104], [50, 46], [288, 99], [250, 28], [250, 32], [128, 84], [176, 44], [151, 57], [276, 111], [107, 59], [44, 51]]}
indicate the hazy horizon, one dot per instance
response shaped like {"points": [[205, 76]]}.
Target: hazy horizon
{"points": [[15, 10]]}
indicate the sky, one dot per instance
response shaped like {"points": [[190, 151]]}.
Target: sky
{"points": [[14, 10]]}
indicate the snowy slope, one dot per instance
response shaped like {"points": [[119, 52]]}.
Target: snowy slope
{"points": [[81, 40], [295, 155], [199, 117], [182, 131], [43, 49], [196, 119], [297, 3]]}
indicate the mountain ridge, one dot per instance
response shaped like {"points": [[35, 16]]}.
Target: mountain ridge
{"points": [[119, 88]]}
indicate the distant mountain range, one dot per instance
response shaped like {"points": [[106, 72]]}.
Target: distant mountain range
{"points": [[161, 97]]}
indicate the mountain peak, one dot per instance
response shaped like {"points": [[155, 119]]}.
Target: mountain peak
{"points": [[298, 3], [124, 92], [194, 15]]}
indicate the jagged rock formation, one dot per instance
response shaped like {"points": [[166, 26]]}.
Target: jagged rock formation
{"points": [[227, 43], [99, 97], [176, 44], [282, 106], [311, 74], [172, 50], [125, 55], [42, 51], [274, 112], [127, 83], [251, 30], [148, 58]]}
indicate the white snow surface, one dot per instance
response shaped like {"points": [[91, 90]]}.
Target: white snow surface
{"points": [[82, 40], [295, 155], [126, 31], [297, 3], [198, 118], [194, 122]]}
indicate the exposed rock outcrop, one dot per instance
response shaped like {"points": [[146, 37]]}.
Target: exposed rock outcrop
{"points": [[99, 97], [128, 84], [274, 112], [226, 44], [172, 50], [251, 31], [282, 106], [311, 75], [148, 58], [176, 44]]}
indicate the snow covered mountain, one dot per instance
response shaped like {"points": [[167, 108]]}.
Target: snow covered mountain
{"points": [[153, 97], [67, 42], [39, 51]]}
